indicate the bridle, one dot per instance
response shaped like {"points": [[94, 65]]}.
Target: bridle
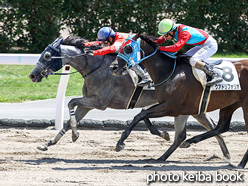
{"points": [[46, 68], [134, 58]]}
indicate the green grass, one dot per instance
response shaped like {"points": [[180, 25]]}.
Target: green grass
{"points": [[241, 55], [15, 85]]}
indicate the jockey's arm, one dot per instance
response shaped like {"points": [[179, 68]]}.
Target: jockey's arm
{"points": [[109, 49], [160, 40], [182, 39], [105, 50], [93, 43]]}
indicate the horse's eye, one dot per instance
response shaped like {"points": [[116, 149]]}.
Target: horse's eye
{"points": [[128, 49], [47, 56]]}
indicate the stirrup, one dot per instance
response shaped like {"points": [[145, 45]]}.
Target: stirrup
{"points": [[145, 82], [215, 80]]}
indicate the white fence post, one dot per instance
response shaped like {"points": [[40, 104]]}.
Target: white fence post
{"points": [[60, 98]]}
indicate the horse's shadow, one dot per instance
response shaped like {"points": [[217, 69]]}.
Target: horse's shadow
{"points": [[135, 165]]}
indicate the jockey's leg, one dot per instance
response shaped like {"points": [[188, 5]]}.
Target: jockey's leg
{"points": [[145, 77], [215, 77], [201, 53]]}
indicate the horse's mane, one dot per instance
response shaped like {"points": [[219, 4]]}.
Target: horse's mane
{"points": [[181, 57], [71, 40], [79, 43]]}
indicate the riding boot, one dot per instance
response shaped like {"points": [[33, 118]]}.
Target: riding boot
{"points": [[215, 77], [145, 77]]}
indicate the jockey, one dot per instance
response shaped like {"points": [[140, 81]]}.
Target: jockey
{"points": [[112, 41], [204, 45]]}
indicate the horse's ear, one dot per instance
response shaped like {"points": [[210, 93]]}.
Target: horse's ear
{"points": [[137, 36]]}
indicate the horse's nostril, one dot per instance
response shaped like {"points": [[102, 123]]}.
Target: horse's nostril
{"points": [[31, 76], [114, 68]]}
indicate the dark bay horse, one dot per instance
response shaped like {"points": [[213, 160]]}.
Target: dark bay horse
{"points": [[179, 93], [101, 89]]}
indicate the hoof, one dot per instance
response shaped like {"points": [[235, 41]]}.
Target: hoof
{"points": [[119, 147], [161, 159], [235, 166], [42, 147], [75, 136], [227, 156], [150, 160], [165, 135], [185, 145]]}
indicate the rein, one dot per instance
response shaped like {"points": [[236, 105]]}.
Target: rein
{"points": [[95, 68], [73, 57], [134, 58], [46, 68], [175, 63]]}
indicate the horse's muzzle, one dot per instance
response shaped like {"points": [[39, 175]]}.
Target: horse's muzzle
{"points": [[115, 70], [35, 75]]}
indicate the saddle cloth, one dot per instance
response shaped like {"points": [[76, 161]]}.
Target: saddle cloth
{"points": [[228, 73], [137, 90]]}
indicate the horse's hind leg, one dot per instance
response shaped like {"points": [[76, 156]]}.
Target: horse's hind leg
{"points": [[155, 131], [209, 124], [222, 126], [245, 112], [80, 113], [87, 103], [180, 135]]}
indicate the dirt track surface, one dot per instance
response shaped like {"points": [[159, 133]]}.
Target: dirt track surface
{"points": [[91, 160]]}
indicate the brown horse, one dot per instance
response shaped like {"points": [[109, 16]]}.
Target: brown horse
{"points": [[179, 93]]}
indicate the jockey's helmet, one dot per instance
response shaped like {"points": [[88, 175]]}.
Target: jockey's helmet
{"points": [[104, 33], [166, 26]]}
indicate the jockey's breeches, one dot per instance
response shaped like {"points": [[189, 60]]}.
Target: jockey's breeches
{"points": [[203, 52]]}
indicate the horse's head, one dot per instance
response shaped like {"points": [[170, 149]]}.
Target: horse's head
{"points": [[130, 54], [50, 61], [127, 54]]}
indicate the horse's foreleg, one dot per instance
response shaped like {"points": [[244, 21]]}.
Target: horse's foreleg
{"points": [[80, 113], [87, 103], [180, 136], [120, 144], [209, 124], [73, 123], [151, 112], [54, 140], [155, 131]]}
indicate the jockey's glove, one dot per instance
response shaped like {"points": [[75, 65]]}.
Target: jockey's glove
{"points": [[80, 44], [90, 52]]}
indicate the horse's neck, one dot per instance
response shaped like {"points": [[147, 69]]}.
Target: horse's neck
{"points": [[75, 58], [159, 67], [85, 64]]}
